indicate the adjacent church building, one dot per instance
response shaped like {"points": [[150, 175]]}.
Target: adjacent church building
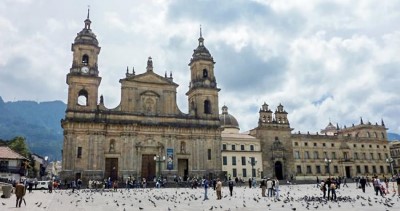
{"points": [[147, 135]]}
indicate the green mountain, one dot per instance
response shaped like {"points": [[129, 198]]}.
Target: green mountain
{"points": [[39, 123]]}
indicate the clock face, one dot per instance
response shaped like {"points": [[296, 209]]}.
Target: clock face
{"points": [[85, 69]]}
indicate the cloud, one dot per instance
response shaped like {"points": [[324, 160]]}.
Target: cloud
{"points": [[322, 60]]}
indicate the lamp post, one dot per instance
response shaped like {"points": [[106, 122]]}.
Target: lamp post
{"points": [[159, 160], [252, 162], [390, 161], [328, 162]]}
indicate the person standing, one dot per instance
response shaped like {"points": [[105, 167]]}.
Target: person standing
{"points": [[323, 188], [398, 185], [333, 190], [218, 188], [328, 186], [318, 182], [377, 186], [230, 184], [19, 193], [250, 182], [206, 183], [276, 188], [263, 186], [73, 185], [363, 182], [269, 187]]}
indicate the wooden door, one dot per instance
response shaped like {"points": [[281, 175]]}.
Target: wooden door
{"points": [[111, 168], [148, 167]]}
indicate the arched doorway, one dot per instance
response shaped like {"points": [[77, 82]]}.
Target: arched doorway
{"points": [[278, 170]]}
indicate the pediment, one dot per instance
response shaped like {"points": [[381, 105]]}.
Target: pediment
{"points": [[150, 77]]}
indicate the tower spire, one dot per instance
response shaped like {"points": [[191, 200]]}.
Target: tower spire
{"points": [[87, 21], [201, 39]]}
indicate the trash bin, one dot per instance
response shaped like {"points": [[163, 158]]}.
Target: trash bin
{"points": [[7, 191]]}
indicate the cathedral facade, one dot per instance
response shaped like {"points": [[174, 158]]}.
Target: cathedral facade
{"points": [[146, 135]]}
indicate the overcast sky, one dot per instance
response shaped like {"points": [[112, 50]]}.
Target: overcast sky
{"points": [[323, 60]]}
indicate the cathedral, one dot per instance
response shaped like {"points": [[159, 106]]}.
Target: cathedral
{"points": [[147, 135]]}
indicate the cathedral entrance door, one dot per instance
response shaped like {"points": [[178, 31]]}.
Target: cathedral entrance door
{"points": [[111, 168], [348, 171], [183, 168], [278, 170], [148, 167]]}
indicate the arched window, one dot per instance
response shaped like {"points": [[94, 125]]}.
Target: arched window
{"points": [[205, 73], [368, 134], [83, 98], [376, 135], [383, 135], [85, 59], [207, 107]]}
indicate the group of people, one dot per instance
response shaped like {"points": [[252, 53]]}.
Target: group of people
{"points": [[271, 186], [330, 185], [380, 186]]}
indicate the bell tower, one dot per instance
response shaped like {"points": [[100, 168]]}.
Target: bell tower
{"points": [[83, 80], [203, 91]]}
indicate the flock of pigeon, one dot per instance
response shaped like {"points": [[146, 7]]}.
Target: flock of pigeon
{"points": [[297, 197]]}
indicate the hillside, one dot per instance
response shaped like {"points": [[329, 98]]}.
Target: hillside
{"points": [[39, 123]]}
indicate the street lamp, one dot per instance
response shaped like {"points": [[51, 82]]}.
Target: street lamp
{"points": [[252, 162], [159, 160], [390, 161], [328, 162]]}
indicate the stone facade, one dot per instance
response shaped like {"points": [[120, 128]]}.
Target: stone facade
{"points": [[349, 151], [124, 141], [395, 155]]}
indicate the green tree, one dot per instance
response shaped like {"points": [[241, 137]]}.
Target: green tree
{"points": [[19, 145]]}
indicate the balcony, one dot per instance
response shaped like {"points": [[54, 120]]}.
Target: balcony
{"points": [[346, 160]]}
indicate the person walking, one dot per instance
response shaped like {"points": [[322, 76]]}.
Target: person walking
{"points": [[19, 193], [398, 185], [230, 184], [363, 182], [218, 188], [318, 184], [206, 183], [377, 186], [250, 182]]}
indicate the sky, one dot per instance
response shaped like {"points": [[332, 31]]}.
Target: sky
{"points": [[322, 60]]}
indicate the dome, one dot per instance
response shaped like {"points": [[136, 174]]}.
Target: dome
{"points": [[86, 36], [201, 52], [227, 120]]}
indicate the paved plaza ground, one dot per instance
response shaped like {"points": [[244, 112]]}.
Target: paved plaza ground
{"points": [[292, 197]]}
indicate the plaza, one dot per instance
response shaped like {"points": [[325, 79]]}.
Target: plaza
{"points": [[292, 197]]}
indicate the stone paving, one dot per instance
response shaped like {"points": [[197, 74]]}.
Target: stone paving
{"points": [[292, 197]]}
